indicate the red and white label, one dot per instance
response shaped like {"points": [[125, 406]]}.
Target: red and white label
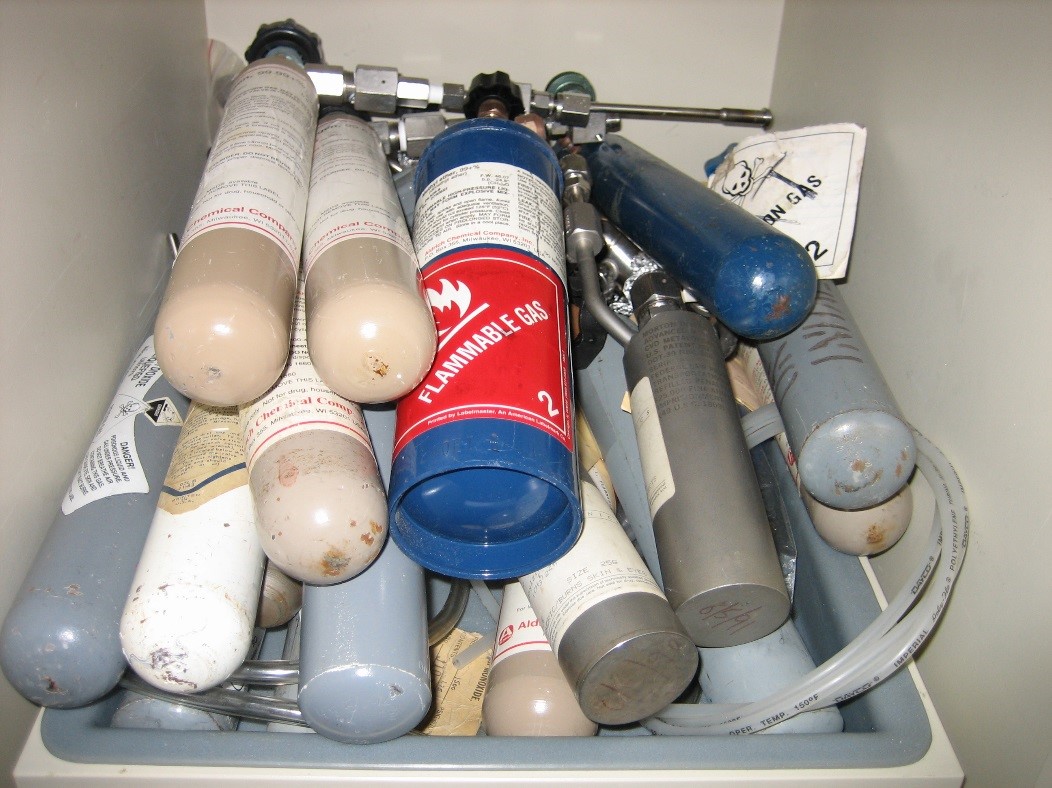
{"points": [[502, 346], [518, 629], [351, 192], [299, 402], [257, 173]]}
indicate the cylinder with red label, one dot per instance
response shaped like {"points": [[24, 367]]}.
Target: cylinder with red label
{"points": [[484, 483]]}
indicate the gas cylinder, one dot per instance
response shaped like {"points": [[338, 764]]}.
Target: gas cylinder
{"points": [[370, 330], [60, 643], [224, 326], [484, 483]]}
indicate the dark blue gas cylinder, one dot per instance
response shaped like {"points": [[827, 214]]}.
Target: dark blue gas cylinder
{"points": [[484, 478], [757, 281]]}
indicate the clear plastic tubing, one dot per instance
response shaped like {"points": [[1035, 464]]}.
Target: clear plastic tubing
{"points": [[881, 649]]}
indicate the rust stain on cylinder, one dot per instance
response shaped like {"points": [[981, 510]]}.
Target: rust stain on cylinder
{"points": [[780, 308], [287, 472], [334, 562], [875, 535]]}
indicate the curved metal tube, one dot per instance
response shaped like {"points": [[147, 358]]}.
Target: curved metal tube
{"points": [[270, 673], [224, 701], [593, 299]]}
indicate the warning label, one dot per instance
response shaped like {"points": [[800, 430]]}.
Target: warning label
{"points": [[111, 464], [502, 346]]}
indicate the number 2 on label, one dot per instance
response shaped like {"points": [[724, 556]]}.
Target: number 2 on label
{"points": [[546, 398], [815, 249]]}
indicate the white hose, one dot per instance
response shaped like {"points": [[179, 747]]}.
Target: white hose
{"points": [[880, 650], [486, 597]]}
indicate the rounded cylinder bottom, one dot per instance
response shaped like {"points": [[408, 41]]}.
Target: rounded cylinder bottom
{"points": [[224, 329], [528, 695], [322, 510]]}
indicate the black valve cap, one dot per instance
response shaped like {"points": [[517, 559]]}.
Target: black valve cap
{"points": [[288, 33], [498, 86]]}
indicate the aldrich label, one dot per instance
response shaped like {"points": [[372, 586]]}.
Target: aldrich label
{"points": [[502, 337], [518, 629]]}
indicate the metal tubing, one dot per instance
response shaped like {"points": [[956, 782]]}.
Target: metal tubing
{"points": [[729, 115]]}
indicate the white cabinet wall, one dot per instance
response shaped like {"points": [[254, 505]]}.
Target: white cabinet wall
{"points": [[951, 272]]}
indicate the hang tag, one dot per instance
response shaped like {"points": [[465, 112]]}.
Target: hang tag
{"points": [[805, 183]]}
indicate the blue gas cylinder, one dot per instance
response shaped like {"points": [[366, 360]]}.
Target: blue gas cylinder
{"points": [[757, 281], [484, 479]]}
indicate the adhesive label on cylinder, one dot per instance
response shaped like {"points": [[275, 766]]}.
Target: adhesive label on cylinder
{"points": [[490, 203], [209, 460], [602, 564], [518, 628], [653, 457], [351, 191], [111, 464], [299, 402], [257, 173], [501, 318]]}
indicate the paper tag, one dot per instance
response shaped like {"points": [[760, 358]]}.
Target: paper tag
{"points": [[653, 456], [458, 691], [805, 183]]}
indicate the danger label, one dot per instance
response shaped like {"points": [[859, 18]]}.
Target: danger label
{"points": [[502, 346]]}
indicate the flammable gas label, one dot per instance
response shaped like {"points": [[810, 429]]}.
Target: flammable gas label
{"points": [[502, 346]]}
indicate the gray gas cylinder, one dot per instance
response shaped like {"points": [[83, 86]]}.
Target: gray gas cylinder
{"points": [[719, 565], [852, 446], [365, 673], [60, 645]]}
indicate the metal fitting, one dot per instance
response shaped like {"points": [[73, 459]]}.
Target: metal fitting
{"points": [[376, 89], [584, 233], [541, 103], [331, 83], [583, 228], [593, 131], [417, 129], [577, 181], [654, 292], [573, 109], [453, 97], [387, 131]]}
